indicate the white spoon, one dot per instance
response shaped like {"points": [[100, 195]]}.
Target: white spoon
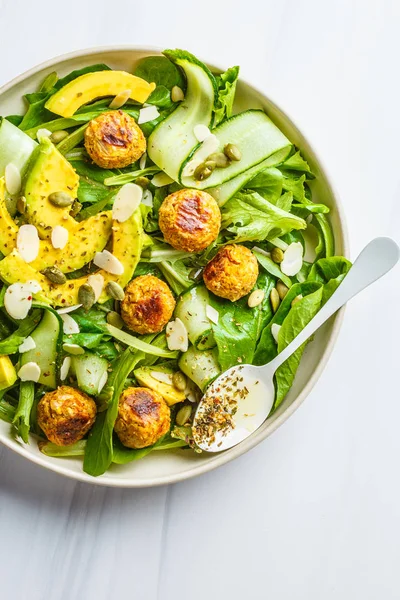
{"points": [[240, 399]]}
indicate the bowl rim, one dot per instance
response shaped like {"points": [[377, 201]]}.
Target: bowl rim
{"points": [[253, 440]]}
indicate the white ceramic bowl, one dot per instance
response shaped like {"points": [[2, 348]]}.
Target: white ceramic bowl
{"points": [[169, 467]]}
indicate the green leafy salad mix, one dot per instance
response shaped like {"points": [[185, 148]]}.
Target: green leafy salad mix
{"points": [[150, 238]]}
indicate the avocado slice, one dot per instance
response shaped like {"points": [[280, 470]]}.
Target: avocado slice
{"points": [[85, 239], [8, 374], [126, 247], [90, 86], [145, 376]]}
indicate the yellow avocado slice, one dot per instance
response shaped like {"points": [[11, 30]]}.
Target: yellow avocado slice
{"points": [[171, 395], [50, 172], [90, 86], [8, 374], [126, 247], [85, 239]]}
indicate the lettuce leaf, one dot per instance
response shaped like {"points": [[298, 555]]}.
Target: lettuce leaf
{"points": [[268, 184], [226, 83]]}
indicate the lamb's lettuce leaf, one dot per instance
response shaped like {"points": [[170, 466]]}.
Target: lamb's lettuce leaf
{"points": [[226, 83], [161, 71]]}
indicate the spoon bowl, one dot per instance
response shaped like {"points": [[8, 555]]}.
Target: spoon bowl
{"points": [[238, 401]]}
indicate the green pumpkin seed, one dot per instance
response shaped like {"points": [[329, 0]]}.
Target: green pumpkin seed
{"points": [[274, 299], [183, 415], [210, 164], [277, 255], [54, 275], [114, 290], [86, 296], [76, 208], [61, 199], [58, 136], [177, 94], [143, 182], [282, 289], [113, 318], [21, 205], [232, 152], [220, 159], [179, 381], [202, 172]]}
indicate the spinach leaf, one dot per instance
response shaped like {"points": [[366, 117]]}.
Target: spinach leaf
{"points": [[11, 343], [15, 119], [91, 182], [239, 326], [161, 97], [86, 340], [93, 321], [95, 208], [250, 217], [21, 420], [161, 71], [99, 447], [106, 350], [271, 267], [301, 313], [226, 83], [268, 184]]}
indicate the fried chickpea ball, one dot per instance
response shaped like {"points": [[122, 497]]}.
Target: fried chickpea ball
{"points": [[232, 273], [190, 220], [66, 415], [114, 140], [148, 304], [143, 417]]}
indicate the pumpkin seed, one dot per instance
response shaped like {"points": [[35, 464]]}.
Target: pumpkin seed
{"points": [[54, 275], [179, 381], [114, 290], [183, 415], [61, 199], [75, 208], [220, 159], [113, 318], [232, 152], [282, 289], [255, 298], [58, 136], [202, 172], [86, 296], [299, 297], [275, 300], [210, 164], [21, 204], [143, 182], [277, 255], [177, 94]]}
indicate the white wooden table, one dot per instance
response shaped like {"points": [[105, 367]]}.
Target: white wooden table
{"points": [[314, 512]]}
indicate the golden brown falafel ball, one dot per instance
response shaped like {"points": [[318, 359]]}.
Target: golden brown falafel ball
{"points": [[190, 220], [232, 272], [148, 304], [66, 415], [114, 140], [143, 417]]}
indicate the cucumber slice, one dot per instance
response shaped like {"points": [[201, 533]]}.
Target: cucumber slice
{"points": [[173, 139], [89, 369], [15, 146], [255, 135], [200, 366], [227, 190], [191, 310], [48, 339]]}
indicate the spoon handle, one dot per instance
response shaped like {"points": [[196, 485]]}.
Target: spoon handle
{"points": [[377, 258]]}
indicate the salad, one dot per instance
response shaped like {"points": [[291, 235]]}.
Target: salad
{"points": [[150, 239]]}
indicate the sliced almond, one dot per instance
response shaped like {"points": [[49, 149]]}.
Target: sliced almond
{"points": [[147, 198], [74, 349], [177, 337], [34, 286], [108, 262], [177, 94], [209, 145], [59, 237], [42, 134], [126, 202], [96, 282], [12, 178], [201, 132], [120, 99], [142, 161], [18, 300], [68, 309], [29, 372], [149, 113], [162, 377], [292, 259], [255, 298], [65, 367], [28, 344], [212, 314], [28, 242], [70, 326], [102, 382], [161, 179], [275, 329]]}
